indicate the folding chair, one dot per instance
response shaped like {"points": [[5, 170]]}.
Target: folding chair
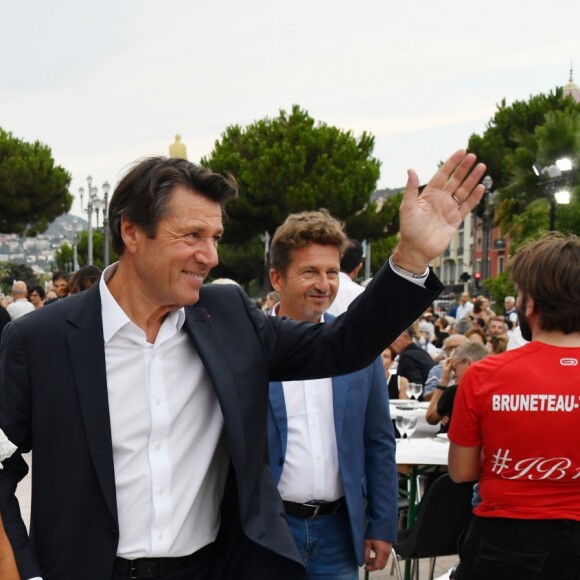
{"points": [[443, 514]]}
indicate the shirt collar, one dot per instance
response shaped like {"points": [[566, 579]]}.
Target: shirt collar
{"points": [[114, 317]]}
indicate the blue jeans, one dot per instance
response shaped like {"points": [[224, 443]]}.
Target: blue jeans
{"points": [[325, 544]]}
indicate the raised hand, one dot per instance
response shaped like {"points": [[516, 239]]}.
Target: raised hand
{"points": [[429, 220]]}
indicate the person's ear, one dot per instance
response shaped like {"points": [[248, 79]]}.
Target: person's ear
{"points": [[530, 306], [276, 280], [131, 233]]}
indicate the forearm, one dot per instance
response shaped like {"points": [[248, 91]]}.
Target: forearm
{"points": [[464, 462], [353, 340], [409, 259], [432, 416]]}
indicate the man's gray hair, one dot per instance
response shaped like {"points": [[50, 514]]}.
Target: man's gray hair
{"points": [[462, 325], [472, 350]]}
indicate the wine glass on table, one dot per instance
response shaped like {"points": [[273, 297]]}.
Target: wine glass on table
{"points": [[401, 422], [416, 390], [411, 427]]}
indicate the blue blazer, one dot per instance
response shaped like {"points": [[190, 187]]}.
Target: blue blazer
{"points": [[366, 450]]}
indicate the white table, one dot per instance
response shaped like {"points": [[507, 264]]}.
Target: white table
{"points": [[421, 451], [413, 454]]}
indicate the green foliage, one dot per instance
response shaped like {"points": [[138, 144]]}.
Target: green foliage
{"points": [[509, 125], [242, 262], [33, 191], [290, 164], [541, 130], [10, 271], [499, 287], [64, 257], [382, 248]]}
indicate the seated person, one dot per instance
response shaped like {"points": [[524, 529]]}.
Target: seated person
{"points": [[395, 383], [414, 362], [477, 335], [434, 376], [441, 403], [498, 344]]}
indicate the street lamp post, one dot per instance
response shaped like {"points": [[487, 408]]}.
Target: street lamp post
{"points": [[76, 228], [487, 183], [106, 189], [265, 237], [94, 204], [89, 210]]}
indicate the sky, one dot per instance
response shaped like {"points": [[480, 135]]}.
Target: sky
{"points": [[106, 83]]}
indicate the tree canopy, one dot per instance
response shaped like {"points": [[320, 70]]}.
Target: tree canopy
{"points": [[64, 256], [33, 190], [540, 131], [10, 271], [290, 164]]}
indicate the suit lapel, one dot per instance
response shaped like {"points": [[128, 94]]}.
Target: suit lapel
{"points": [[87, 355], [198, 325], [340, 386], [279, 416]]}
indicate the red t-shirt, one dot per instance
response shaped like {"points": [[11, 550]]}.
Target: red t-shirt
{"points": [[523, 408]]}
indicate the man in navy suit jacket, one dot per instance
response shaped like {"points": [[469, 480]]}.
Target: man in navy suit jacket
{"points": [[147, 409], [331, 441]]}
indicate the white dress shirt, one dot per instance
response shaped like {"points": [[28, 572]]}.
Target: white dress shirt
{"points": [[311, 470], [169, 450], [19, 308], [463, 310], [348, 290]]}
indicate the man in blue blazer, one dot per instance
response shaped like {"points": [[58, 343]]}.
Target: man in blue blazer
{"points": [[144, 399], [331, 441]]}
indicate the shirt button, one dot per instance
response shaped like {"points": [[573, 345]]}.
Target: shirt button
{"points": [[160, 536], [157, 445], [157, 401], [161, 490]]}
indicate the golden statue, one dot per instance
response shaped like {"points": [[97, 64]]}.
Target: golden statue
{"points": [[177, 149]]}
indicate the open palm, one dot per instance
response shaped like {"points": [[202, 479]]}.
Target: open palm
{"points": [[430, 219]]}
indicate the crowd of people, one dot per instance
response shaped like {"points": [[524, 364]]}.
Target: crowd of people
{"points": [[25, 298], [179, 431], [438, 347]]}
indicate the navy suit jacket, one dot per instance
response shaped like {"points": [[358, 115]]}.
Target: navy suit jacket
{"points": [[53, 400], [366, 450]]}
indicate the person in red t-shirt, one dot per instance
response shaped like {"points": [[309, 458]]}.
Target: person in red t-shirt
{"points": [[515, 427]]}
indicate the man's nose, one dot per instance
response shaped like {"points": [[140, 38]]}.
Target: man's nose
{"points": [[322, 283], [206, 253]]}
